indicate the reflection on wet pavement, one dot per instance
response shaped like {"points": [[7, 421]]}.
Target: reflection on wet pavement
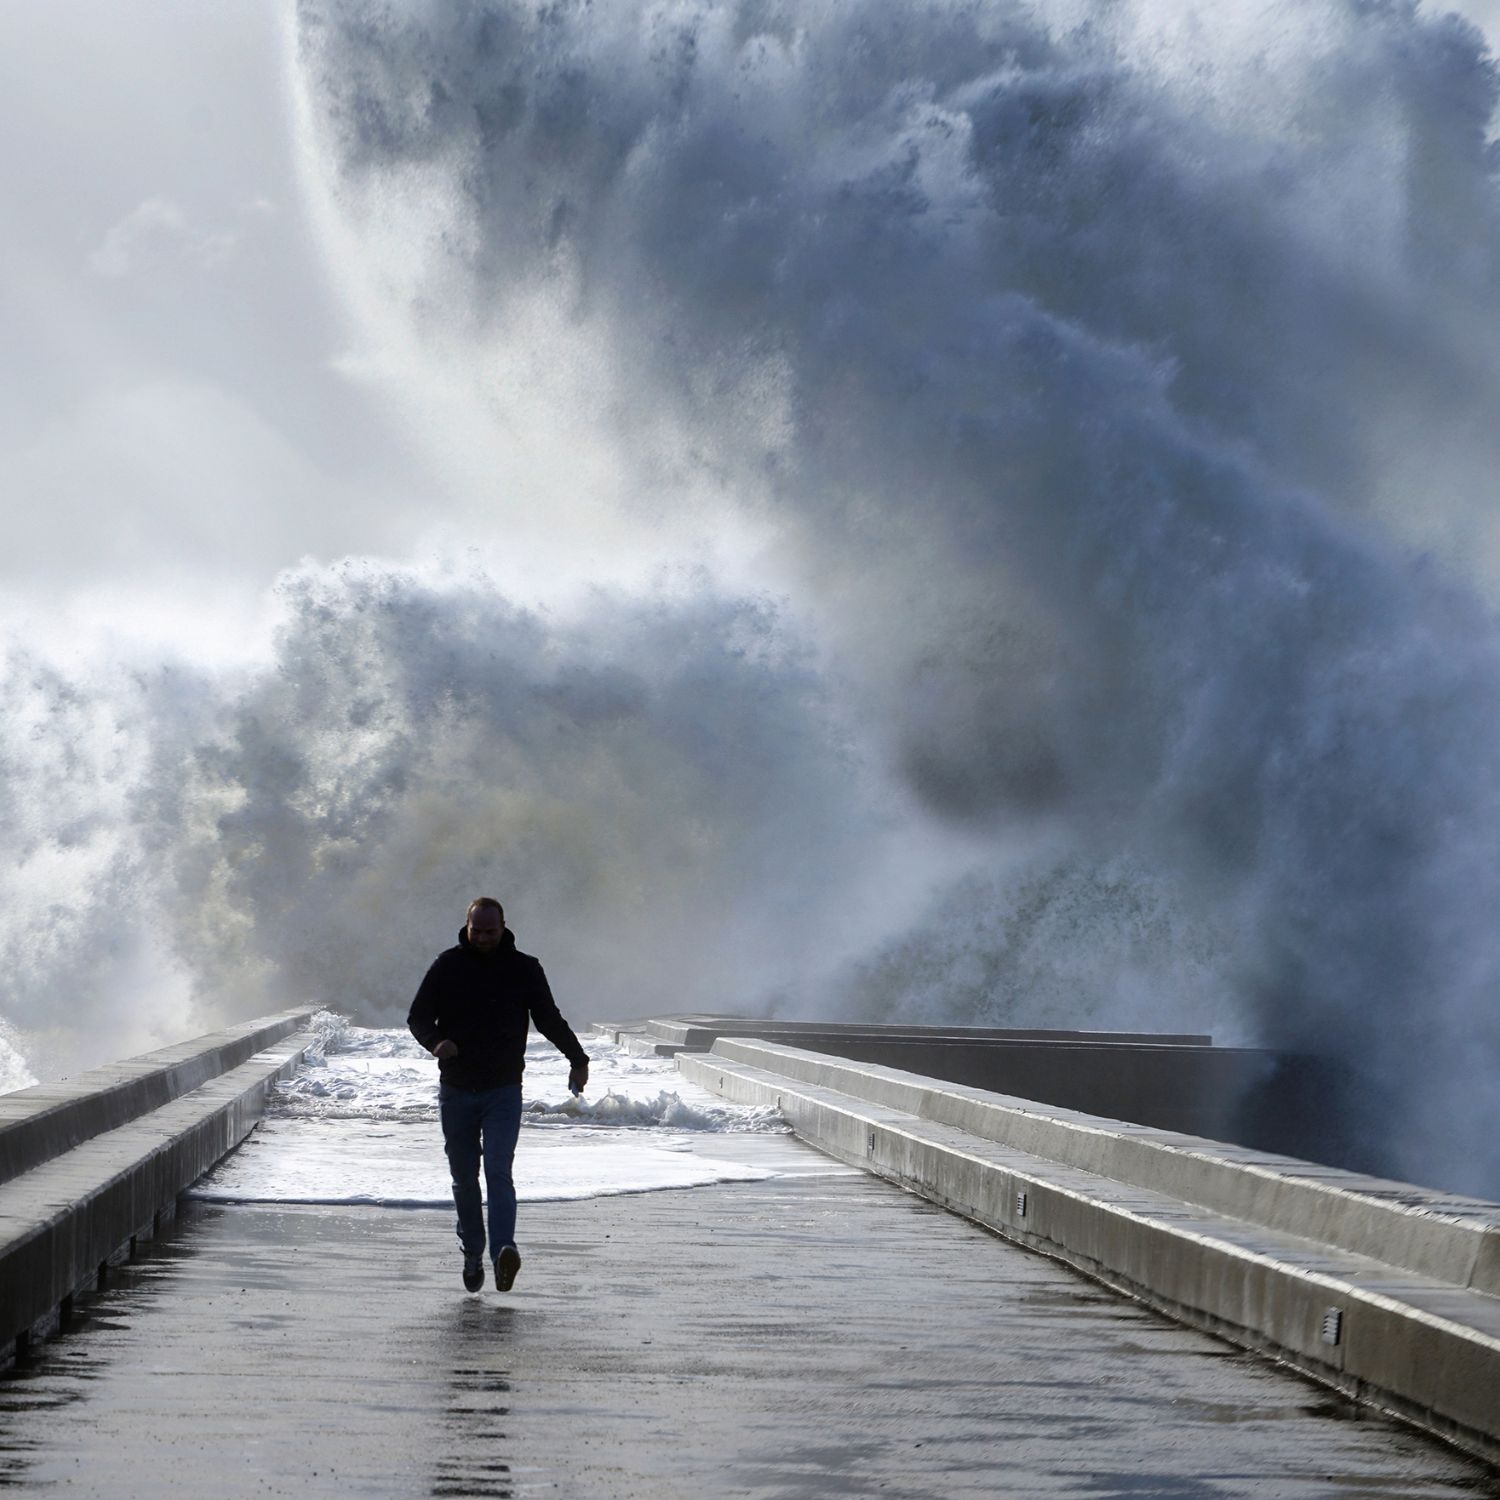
{"points": [[800, 1336]]}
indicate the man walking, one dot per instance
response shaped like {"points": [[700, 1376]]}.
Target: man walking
{"points": [[471, 1013]]}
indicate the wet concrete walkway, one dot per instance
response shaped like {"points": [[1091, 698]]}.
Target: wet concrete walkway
{"points": [[797, 1337]]}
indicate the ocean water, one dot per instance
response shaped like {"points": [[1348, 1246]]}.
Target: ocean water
{"points": [[359, 1125]]}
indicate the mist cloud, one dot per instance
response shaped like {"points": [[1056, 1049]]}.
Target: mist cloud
{"points": [[1098, 375], [159, 229], [1103, 392], [658, 789]]}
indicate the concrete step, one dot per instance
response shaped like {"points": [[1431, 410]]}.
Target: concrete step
{"points": [[700, 1033], [1454, 1239], [636, 1041]]}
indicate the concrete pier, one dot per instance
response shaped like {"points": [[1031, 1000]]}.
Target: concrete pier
{"points": [[821, 1334], [816, 1337]]}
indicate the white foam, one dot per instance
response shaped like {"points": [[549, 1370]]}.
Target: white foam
{"points": [[358, 1125], [14, 1073], [401, 1165], [357, 1073]]}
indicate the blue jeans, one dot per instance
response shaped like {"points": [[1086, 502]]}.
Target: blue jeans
{"points": [[482, 1126]]}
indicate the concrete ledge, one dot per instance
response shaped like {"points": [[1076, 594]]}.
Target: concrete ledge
{"points": [[1273, 1101], [1418, 1345], [699, 1032], [1454, 1239], [40, 1123], [1188, 1088], [65, 1219], [634, 1040]]}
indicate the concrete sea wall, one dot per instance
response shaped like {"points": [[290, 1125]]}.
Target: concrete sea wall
{"points": [[1273, 1101], [90, 1165]]}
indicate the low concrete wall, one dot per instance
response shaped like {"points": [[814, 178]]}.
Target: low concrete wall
{"points": [[664, 1036], [69, 1214], [1381, 1289], [40, 1123], [700, 1032], [1194, 1089], [1454, 1239], [1272, 1101]]}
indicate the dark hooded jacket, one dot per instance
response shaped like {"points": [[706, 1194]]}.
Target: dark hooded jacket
{"points": [[481, 1002]]}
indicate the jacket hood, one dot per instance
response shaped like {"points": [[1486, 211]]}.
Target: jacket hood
{"points": [[507, 943]]}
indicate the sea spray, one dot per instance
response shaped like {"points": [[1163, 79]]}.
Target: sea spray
{"points": [[1098, 367], [658, 787], [360, 1126], [1085, 376]]}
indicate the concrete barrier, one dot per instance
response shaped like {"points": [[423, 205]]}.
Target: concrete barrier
{"points": [[664, 1036], [93, 1187], [40, 1123], [699, 1032], [1272, 1101], [1196, 1089], [1384, 1290]]}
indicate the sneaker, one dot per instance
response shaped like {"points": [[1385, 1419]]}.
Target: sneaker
{"points": [[507, 1263], [473, 1272]]}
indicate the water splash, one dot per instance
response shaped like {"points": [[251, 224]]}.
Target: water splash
{"points": [[1104, 392], [659, 787], [1097, 367]]}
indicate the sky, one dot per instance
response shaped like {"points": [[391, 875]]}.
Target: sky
{"points": [[178, 430], [188, 398]]}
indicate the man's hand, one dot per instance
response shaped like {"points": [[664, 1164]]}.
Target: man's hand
{"points": [[445, 1049], [578, 1078]]}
